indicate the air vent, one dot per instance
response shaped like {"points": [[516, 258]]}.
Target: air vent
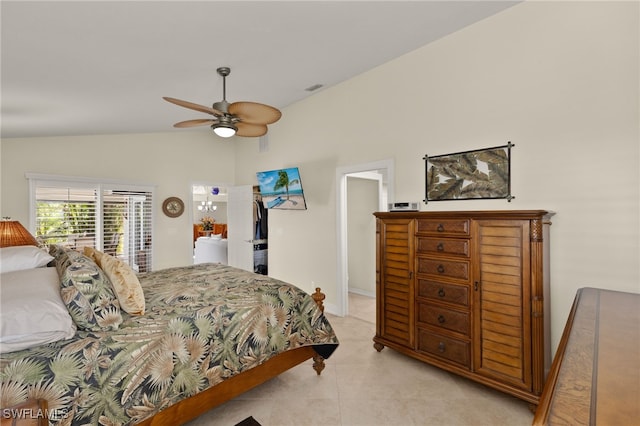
{"points": [[314, 87]]}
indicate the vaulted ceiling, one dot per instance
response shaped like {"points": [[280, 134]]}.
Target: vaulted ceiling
{"points": [[102, 67]]}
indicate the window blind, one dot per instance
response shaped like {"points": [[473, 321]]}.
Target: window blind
{"points": [[114, 218]]}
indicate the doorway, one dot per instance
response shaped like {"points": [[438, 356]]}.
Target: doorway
{"points": [[359, 179], [209, 217]]}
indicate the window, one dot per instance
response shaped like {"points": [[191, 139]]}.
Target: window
{"points": [[112, 217]]}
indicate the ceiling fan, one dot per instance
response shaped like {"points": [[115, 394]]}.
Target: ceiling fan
{"points": [[247, 119]]}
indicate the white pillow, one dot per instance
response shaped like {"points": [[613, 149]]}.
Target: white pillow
{"points": [[31, 310], [17, 258]]}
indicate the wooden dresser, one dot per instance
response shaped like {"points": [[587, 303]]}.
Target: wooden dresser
{"points": [[595, 377], [465, 291]]}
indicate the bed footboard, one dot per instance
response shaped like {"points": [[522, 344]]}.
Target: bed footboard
{"points": [[192, 407]]}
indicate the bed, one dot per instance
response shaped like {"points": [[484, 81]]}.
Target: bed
{"points": [[211, 250], [201, 335]]}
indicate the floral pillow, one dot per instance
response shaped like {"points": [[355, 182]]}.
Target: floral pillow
{"points": [[86, 291]]}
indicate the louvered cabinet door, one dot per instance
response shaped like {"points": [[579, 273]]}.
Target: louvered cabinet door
{"points": [[502, 302], [394, 290]]}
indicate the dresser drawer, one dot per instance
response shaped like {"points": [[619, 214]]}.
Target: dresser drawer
{"points": [[451, 293], [444, 347], [450, 246], [444, 268], [444, 226], [444, 318]]}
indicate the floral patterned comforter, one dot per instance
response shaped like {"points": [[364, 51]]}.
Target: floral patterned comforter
{"points": [[204, 323]]}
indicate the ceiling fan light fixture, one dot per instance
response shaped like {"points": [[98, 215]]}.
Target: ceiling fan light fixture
{"points": [[246, 119], [224, 130]]}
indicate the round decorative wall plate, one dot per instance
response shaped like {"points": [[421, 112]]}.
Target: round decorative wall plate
{"points": [[173, 207]]}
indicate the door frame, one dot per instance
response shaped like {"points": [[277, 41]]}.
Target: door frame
{"points": [[342, 265]]}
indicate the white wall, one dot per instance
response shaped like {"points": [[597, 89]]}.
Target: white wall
{"points": [[170, 161], [362, 195], [558, 79]]}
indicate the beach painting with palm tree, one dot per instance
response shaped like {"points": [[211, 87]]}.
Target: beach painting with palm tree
{"points": [[282, 189]]}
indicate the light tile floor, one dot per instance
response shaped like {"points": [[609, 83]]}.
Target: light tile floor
{"points": [[361, 386]]}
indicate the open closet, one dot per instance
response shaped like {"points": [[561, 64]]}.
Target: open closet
{"points": [[261, 234]]}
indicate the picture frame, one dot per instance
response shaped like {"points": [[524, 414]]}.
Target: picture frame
{"points": [[477, 174], [282, 189]]}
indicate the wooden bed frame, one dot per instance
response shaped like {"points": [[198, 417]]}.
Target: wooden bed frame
{"points": [[192, 407]]}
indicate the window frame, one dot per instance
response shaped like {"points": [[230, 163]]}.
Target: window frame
{"points": [[37, 180]]}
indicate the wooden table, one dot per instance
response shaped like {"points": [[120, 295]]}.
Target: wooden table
{"points": [[595, 376]]}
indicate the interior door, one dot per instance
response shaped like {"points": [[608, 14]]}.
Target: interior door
{"points": [[240, 227]]}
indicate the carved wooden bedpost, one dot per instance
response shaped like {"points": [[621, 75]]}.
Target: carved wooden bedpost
{"points": [[318, 361], [319, 296]]}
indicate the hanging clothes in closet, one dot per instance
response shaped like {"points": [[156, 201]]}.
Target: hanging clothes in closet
{"points": [[260, 245], [260, 218]]}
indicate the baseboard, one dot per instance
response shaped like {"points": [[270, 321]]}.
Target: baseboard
{"points": [[361, 292]]}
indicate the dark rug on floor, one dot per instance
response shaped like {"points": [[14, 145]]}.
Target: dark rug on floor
{"points": [[249, 421]]}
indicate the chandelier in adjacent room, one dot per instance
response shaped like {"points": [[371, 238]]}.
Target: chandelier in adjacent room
{"points": [[207, 206]]}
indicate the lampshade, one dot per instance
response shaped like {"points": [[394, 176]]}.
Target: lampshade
{"points": [[12, 233], [224, 130]]}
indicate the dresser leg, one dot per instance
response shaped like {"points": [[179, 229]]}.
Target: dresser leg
{"points": [[378, 346]]}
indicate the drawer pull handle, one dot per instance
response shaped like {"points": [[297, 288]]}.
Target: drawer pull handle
{"points": [[440, 227], [441, 268], [441, 319], [441, 292], [440, 247], [441, 347]]}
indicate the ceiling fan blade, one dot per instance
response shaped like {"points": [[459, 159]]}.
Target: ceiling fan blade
{"points": [[250, 129], [194, 123], [193, 106], [255, 113]]}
